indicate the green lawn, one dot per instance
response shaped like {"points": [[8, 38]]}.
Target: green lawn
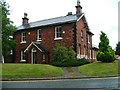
{"points": [[30, 70], [100, 69]]}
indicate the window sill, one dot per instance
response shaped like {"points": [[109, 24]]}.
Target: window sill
{"points": [[58, 38], [23, 42], [23, 61], [39, 40]]}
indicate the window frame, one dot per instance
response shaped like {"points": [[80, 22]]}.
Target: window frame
{"points": [[79, 49], [93, 54], [84, 51], [23, 56], [44, 57], [57, 37], [90, 54], [39, 35], [81, 33], [88, 38], [23, 37]]}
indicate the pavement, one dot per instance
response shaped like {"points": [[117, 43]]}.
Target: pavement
{"points": [[69, 73]]}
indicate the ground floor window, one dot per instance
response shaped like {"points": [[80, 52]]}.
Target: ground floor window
{"points": [[79, 50], [90, 54], [43, 57], [84, 51], [23, 56]]}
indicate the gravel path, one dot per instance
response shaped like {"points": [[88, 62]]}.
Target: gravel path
{"points": [[72, 72]]}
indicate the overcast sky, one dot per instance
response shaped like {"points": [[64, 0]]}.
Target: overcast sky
{"points": [[101, 15]]}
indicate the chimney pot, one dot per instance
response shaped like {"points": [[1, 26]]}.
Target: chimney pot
{"points": [[25, 15]]}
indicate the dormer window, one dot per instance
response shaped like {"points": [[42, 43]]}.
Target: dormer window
{"points": [[58, 32], [39, 36], [23, 37]]}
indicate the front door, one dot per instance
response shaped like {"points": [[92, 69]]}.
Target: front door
{"points": [[34, 56]]}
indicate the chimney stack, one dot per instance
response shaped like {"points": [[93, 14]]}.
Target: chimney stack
{"points": [[25, 19], [69, 13], [78, 7]]}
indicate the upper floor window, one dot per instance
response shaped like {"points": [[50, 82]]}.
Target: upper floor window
{"points": [[39, 36], [58, 32], [23, 37], [81, 33]]}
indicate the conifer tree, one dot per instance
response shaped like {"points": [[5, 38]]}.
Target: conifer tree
{"points": [[117, 52], [105, 52]]}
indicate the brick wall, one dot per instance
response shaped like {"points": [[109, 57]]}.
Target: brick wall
{"points": [[30, 36], [48, 36], [82, 41]]}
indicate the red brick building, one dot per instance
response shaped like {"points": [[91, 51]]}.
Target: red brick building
{"points": [[36, 40]]}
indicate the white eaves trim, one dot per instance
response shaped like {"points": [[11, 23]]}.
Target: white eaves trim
{"points": [[32, 43], [80, 17], [37, 47]]}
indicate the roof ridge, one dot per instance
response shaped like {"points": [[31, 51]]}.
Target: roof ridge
{"points": [[55, 20], [52, 18]]}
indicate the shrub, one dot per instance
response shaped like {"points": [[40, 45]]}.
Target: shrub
{"points": [[64, 57], [63, 54], [107, 56], [70, 63]]}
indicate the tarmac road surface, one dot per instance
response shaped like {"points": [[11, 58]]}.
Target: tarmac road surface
{"points": [[104, 83]]}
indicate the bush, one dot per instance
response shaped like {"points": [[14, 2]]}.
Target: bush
{"points": [[107, 56], [63, 54], [71, 63], [64, 57]]}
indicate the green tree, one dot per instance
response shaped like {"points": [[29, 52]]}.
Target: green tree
{"points": [[104, 42], [8, 30], [105, 52], [117, 52]]}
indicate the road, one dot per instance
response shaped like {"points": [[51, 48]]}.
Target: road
{"points": [[106, 83]]}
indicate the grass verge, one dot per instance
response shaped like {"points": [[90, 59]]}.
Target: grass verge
{"points": [[30, 71], [100, 69]]}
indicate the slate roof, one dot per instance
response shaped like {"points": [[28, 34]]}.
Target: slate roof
{"points": [[52, 21], [41, 46]]}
